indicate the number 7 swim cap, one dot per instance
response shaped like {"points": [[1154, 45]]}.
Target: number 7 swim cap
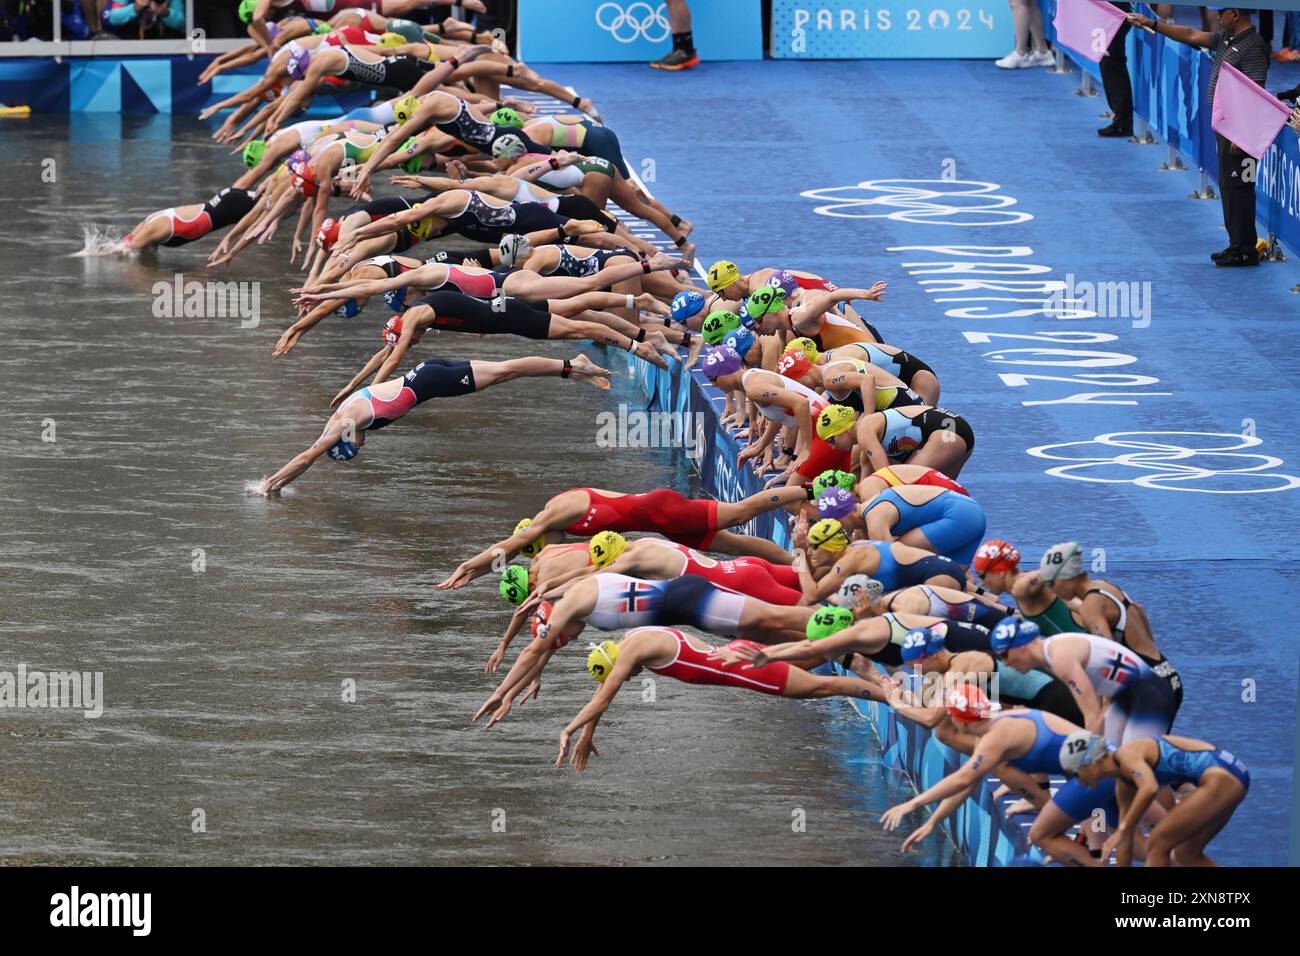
{"points": [[722, 274]]}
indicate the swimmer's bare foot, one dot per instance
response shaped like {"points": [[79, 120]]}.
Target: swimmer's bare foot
{"points": [[583, 369], [648, 303], [685, 227], [693, 352], [589, 109], [661, 343], [687, 252]]}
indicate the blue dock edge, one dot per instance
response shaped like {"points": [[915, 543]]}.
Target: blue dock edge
{"points": [[979, 828]]}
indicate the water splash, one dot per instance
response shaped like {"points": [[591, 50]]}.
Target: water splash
{"points": [[101, 242]]}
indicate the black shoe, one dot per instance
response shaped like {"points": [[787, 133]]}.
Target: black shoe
{"points": [[1216, 256], [1239, 257], [1113, 130]]}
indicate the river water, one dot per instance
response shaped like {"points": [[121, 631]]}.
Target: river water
{"points": [[226, 626]]}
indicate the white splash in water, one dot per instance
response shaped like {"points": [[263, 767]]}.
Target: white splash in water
{"points": [[254, 488], [101, 242]]}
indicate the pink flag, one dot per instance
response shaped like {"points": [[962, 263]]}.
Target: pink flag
{"points": [[1087, 26], [1245, 113]]}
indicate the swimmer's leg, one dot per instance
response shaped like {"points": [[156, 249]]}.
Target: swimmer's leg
{"points": [[731, 514], [727, 542], [581, 369], [1048, 834], [801, 684]]}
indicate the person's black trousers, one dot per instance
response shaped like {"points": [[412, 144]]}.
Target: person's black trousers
{"points": [[1115, 78], [1237, 190]]}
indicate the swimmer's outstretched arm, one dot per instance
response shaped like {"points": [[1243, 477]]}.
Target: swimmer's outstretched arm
{"points": [[988, 754], [290, 336], [942, 812], [587, 718], [304, 460], [806, 316], [375, 361], [413, 319], [427, 273]]}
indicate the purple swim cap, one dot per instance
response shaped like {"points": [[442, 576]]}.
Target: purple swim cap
{"points": [[299, 60], [836, 503], [721, 360], [299, 158], [784, 280]]}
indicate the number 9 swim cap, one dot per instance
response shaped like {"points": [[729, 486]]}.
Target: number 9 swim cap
{"points": [[254, 152], [514, 584], [601, 659], [826, 621], [405, 108], [605, 547]]}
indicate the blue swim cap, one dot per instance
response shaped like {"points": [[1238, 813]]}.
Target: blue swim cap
{"points": [[348, 309], [740, 341], [396, 299], [687, 304], [343, 450], [919, 644], [1010, 633], [746, 320]]}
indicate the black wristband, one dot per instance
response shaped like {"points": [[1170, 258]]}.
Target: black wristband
{"points": [[645, 268], [555, 163]]}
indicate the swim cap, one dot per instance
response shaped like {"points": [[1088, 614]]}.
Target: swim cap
{"points": [[833, 478], [722, 274], [299, 60], [299, 157], [254, 152], [805, 345], [717, 325], [348, 309], [1081, 748], [605, 547], [246, 10], [835, 420], [720, 360], [601, 659], [687, 304], [328, 234], [343, 450], [860, 587], [405, 108], [323, 28], [919, 644], [391, 39], [508, 146], [304, 180], [1010, 633], [514, 584], [422, 229], [829, 534], [408, 29], [507, 117], [967, 704], [513, 247], [529, 550], [1063, 560], [827, 620], [414, 162], [836, 503], [793, 364], [740, 341], [541, 616], [765, 300], [392, 330], [783, 280], [995, 555], [395, 299]]}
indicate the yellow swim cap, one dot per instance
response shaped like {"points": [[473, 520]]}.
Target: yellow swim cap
{"points": [[422, 229], [605, 547], [404, 107], [529, 550], [722, 274], [392, 39], [829, 534], [601, 659], [834, 420], [807, 346]]}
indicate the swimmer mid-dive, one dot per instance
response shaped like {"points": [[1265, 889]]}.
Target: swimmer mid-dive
{"points": [[380, 405]]}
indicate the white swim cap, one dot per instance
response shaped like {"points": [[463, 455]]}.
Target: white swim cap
{"points": [[1064, 560]]}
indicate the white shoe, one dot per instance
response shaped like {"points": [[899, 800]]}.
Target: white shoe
{"points": [[1042, 59], [1015, 60]]}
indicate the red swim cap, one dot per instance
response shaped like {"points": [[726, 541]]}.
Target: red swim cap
{"points": [[392, 330], [793, 364], [994, 556], [540, 616], [304, 180], [328, 234], [967, 704]]}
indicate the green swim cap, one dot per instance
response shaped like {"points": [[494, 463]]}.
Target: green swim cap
{"points": [[832, 478], [507, 117], [413, 164], [717, 324], [323, 27], [765, 300], [246, 8], [827, 621], [514, 584], [254, 152], [409, 30]]}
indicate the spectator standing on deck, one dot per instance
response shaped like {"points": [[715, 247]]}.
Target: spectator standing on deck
{"points": [[1238, 43], [1031, 46], [682, 56]]}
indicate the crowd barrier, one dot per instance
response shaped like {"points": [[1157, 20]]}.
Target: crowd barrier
{"points": [[1170, 83], [626, 31], [980, 829]]}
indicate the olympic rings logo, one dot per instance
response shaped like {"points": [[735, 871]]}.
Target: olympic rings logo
{"points": [[948, 202], [640, 21], [1207, 462]]}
